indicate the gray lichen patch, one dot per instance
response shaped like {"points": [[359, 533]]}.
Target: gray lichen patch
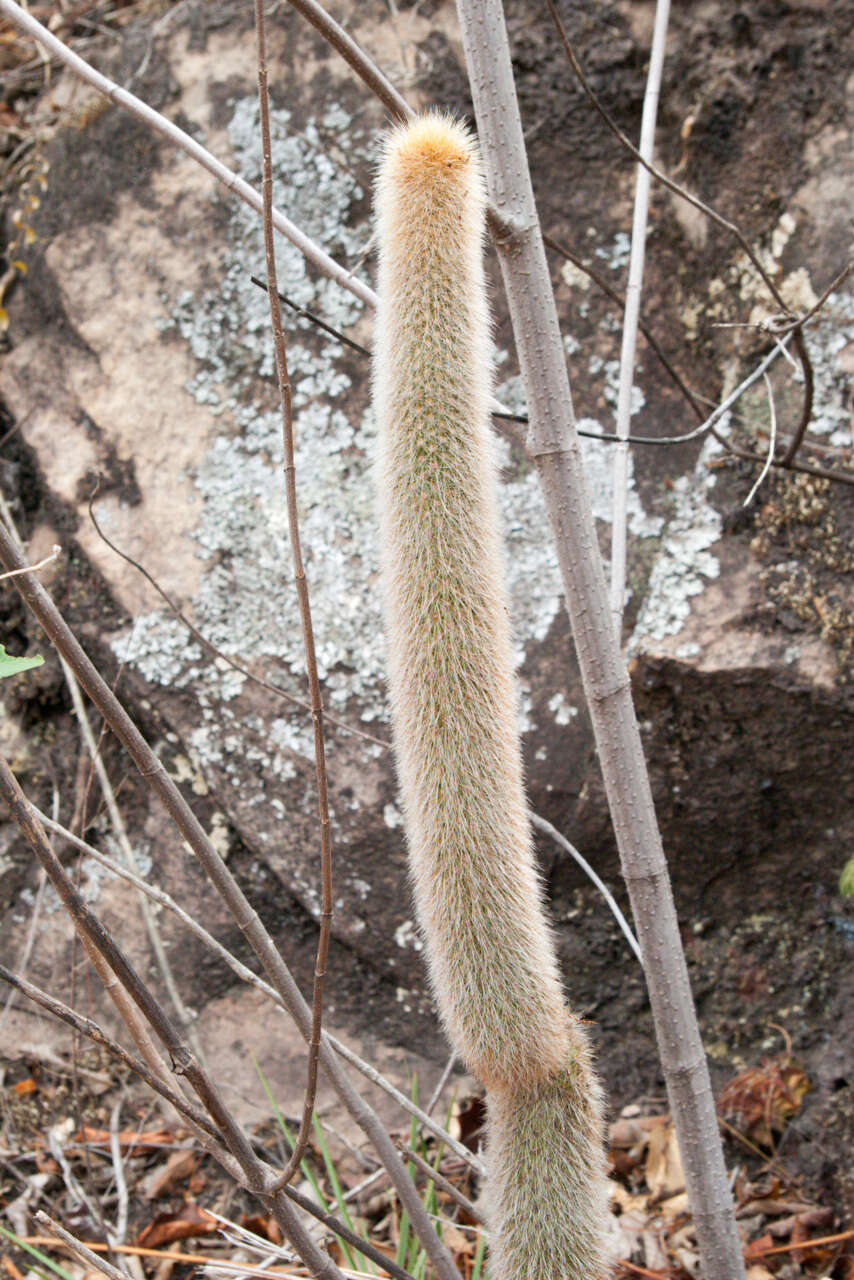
{"points": [[685, 563], [246, 602], [533, 575], [830, 342]]}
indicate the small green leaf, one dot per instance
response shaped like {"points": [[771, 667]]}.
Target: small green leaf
{"points": [[10, 666], [846, 880]]}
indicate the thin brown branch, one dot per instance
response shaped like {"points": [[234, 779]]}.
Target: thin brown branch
{"points": [[212, 648], [787, 330], [335, 1224], [355, 57], [315, 320], [79, 1249], [797, 327], [34, 568], [196, 1117], [442, 1183], [246, 975], [425, 1120], [304, 607], [370, 75], [802, 468], [709, 212], [177, 137], [453, 1059], [817, 306], [120, 832]]}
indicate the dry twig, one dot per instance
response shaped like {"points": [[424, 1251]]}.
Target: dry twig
{"points": [[316, 702]]}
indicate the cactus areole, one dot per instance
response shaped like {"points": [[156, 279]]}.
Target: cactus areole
{"points": [[490, 953]]}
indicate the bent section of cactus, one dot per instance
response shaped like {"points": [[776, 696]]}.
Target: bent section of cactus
{"points": [[546, 1193], [491, 957]]}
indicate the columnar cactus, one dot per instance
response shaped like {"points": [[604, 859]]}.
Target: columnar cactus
{"points": [[491, 957]]}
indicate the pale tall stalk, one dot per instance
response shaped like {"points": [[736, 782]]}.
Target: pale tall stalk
{"points": [[631, 315], [553, 445]]}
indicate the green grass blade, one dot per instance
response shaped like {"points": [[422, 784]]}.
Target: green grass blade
{"points": [[335, 1183], [477, 1265], [36, 1253]]}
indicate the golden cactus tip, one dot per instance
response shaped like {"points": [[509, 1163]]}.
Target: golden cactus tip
{"points": [[491, 957]]}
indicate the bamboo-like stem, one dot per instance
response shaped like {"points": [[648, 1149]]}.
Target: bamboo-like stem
{"points": [[554, 447], [154, 772], [631, 315]]}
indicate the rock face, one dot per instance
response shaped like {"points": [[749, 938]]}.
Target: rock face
{"points": [[139, 353]]}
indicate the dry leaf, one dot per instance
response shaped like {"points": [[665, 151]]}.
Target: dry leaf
{"points": [[167, 1227], [675, 1206], [761, 1100], [627, 1201], [266, 1228], [759, 1246], [803, 1226], [664, 1175], [131, 1142]]}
